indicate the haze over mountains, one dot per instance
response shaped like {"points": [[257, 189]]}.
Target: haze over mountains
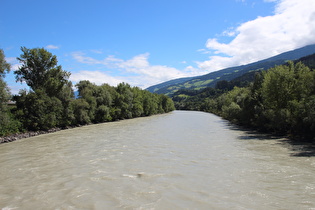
{"points": [[210, 80]]}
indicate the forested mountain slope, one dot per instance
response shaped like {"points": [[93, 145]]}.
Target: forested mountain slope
{"points": [[192, 99], [210, 80], [157, 87]]}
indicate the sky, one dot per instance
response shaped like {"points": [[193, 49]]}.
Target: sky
{"points": [[146, 42]]}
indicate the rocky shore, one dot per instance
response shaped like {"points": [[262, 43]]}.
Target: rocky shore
{"points": [[18, 136]]}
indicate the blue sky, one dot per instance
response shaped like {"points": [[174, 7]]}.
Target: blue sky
{"points": [[145, 42]]}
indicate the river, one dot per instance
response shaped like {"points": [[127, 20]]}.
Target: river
{"points": [[179, 160]]}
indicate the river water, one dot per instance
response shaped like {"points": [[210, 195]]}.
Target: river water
{"points": [[179, 160]]}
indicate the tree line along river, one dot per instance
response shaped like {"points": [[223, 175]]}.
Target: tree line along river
{"points": [[179, 160]]}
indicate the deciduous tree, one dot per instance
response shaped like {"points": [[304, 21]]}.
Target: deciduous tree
{"points": [[39, 70]]}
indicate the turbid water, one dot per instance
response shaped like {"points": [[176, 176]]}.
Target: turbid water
{"points": [[179, 160]]}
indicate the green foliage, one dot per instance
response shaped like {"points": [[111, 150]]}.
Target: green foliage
{"points": [[4, 90], [39, 70], [150, 104], [102, 114], [105, 103], [123, 100], [81, 112], [4, 95], [37, 111], [66, 96], [51, 102], [48, 104], [137, 108], [232, 104], [87, 91], [195, 100], [286, 91], [166, 103], [280, 100], [4, 66], [309, 61], [8, 124]]}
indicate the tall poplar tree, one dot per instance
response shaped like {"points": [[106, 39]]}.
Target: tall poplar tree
{"points": [[47, 105], [39, 70]]}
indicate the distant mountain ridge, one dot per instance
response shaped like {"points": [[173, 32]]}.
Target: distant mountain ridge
{"points": [[154, 88], [210, 79]]}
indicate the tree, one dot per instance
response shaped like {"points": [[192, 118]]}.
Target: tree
{"points": [[80, 109], [37, 111], [4, 90], [123, 100], [7, 123], [47, 105], [167, 103], [87, 92], [102, 114], [4, 96], [99, 100], [137, 108], [223, 85], [286, 90], [4, 66], [39, 70], [66, 96], [150, 103]]}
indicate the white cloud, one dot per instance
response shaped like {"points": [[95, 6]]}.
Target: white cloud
{"points": [[108, 61], [10, 59], [137, 70], [292, 26], [96, 77], [15, 65], [230, 32], [52, 47], [203, 51]]}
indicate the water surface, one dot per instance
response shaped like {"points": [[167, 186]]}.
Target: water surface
{"points": [[180, 160]]}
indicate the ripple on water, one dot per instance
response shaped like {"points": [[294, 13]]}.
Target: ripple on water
{"points": [[182, 160]]}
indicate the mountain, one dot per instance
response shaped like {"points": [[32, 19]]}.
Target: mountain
{"points": [[155, 88], [186, 99], [308, 61], [210, 80]]}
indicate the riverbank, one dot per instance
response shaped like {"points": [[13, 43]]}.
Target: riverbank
{"points": [[17, 136]]}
